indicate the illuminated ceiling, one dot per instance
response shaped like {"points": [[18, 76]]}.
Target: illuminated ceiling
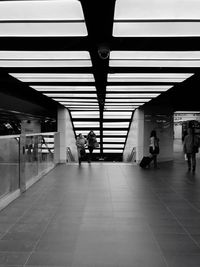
{"points": [[53, 47]]}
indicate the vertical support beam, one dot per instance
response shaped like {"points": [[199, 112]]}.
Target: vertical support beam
{"points": [[101, 130], [67, 136]]}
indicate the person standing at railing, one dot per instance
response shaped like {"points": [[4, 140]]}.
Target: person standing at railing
{"points": [[81, 142]]}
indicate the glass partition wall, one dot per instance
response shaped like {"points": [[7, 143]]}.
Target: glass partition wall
{"points": [[23, 160]]}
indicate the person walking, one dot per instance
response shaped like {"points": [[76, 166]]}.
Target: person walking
{"points": [[154, 147], [81, 142], [92, 141], [190, 148]]}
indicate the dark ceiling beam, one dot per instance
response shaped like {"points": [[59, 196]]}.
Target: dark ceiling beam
{"points": [[43, 43], [156, 43]]}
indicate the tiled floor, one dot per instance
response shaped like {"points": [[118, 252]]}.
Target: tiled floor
{"points": [[105, 215]]}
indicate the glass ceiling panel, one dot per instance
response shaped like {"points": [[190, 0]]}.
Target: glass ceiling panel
{"points": [[115, 132], [64, 88], [156, 9], [79, 107], [127, 95], [148, 77], [155, 63], [39, 55], [107, 104], [77, 100], [66, 95], [50, 29], [125, 108], [41, 10], [115, 124], [114, 139], [156, 29], [54, 77], [85, 114], [167, 55], [130, 101], [117, 115], [113, 145], [44, 63], [86, 124], [113, 150], [131, 88]]}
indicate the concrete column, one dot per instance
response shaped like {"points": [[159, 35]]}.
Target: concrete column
{"points": [[135, 139], [67, 136]]}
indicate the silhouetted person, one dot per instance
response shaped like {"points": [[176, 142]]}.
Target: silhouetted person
{"points": [[190, 148], [154, 147], [81, 143], [91, 139]]}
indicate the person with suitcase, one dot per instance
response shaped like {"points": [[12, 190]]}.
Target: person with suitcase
{"points": [[154, 147]]}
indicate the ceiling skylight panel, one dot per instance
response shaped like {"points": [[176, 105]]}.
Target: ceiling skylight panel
{"points": [[113, 76], [114, 133], [117, 115], [113, 145], [84, 114], [114, 139], [127, 95], [54, 77], [37, 29], [122, 108], [39, 55], [164, 55], [115, 124], [70, 95], [72, 88], [156, 29], [45, 63], [45, 59], [117, 104], [42, 18], [156, 9], [113, 150], [154, 63], [137, 88], [70, 10], [86, 124], [77, 100], [131, 100]]}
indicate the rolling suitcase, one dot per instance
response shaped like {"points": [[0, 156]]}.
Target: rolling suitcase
{"points": [[145, 162]]}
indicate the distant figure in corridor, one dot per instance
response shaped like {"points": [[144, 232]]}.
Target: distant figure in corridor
{"points": [[190, 148], [154, 147], [92, 141], [81, 142]]}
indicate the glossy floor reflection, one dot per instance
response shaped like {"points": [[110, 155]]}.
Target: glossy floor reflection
{"points": [[105, 215]]}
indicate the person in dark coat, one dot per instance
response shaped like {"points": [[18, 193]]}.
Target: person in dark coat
{"points": [[91, 140]]}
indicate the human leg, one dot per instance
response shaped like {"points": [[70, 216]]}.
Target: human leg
{"points": [[193, 156], [189, 156]]}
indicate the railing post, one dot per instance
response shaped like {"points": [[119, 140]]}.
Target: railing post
{"points": [[22, 178]]}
